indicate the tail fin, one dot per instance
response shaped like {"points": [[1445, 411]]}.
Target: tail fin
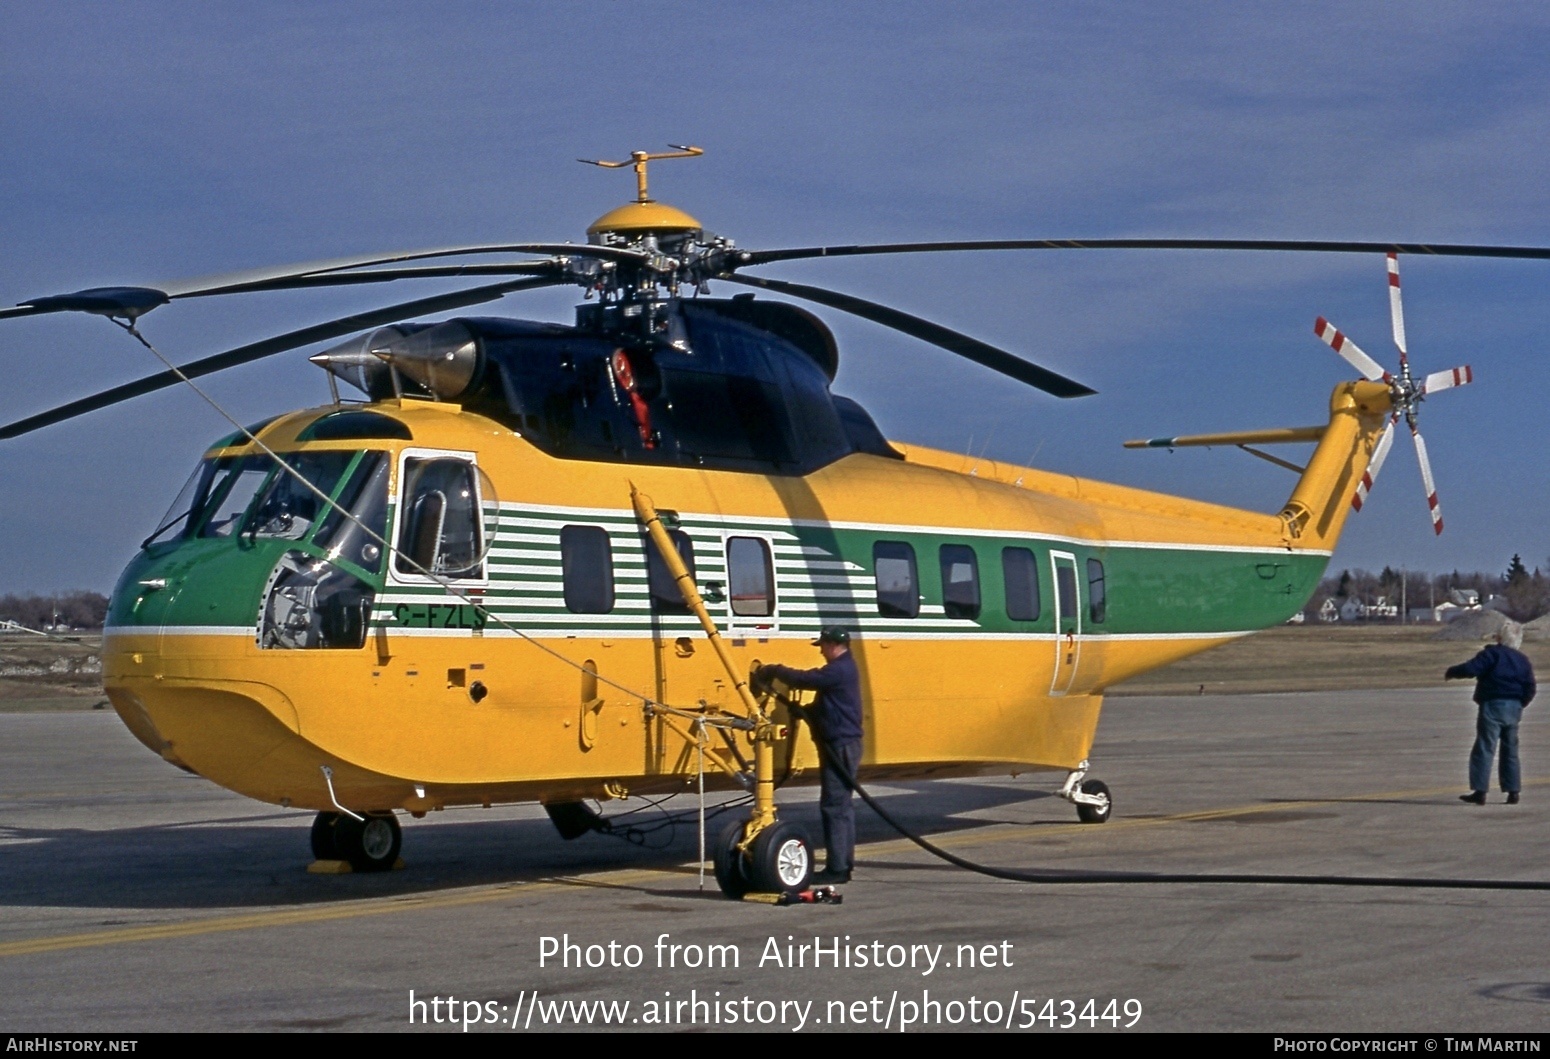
{"points": [[1318, 507]]}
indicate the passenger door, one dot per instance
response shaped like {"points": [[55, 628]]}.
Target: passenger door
{"points": [[1068, 621]]}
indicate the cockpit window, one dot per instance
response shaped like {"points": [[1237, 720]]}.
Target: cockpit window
{"points": [[359, 539], [236, 481], [217, 499], [287, 507], [175, 522]]}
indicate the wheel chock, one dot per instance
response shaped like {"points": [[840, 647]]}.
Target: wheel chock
{"points": [[329, 867], [342, 867], [818, 895]]}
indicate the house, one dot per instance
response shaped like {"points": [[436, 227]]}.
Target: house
{"points": [[1329, 612], [1380, 609]]}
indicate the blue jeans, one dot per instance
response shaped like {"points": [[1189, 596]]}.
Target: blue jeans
{"points": [[839, 815], [1498, 720]]}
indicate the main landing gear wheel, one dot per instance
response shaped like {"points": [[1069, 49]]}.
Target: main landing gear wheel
{"points": [[369, 845], [781, 859], [729, 861], [1095, 814], [323, 845]]}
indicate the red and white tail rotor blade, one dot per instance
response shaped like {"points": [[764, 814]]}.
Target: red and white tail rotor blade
{"points": [[1380, 453], [1426, 479], [1336, 340], [1446, 380], [1396, 311]]}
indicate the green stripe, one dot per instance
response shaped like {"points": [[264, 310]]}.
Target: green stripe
{"points": [[1152, 590]]}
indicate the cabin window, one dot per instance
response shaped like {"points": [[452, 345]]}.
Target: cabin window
{"points": [[898, 589], [960, 581], [750, 577], [1021, 573], [587, 564], [439, 531], [1097, 606], [665, 594]]}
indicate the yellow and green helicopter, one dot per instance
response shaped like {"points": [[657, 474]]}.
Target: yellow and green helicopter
{"points": [[539, 561]]}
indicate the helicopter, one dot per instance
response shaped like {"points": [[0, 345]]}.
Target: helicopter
{"points": [[538, 562]]}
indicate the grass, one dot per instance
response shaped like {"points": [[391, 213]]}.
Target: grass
{"points": [[38, 674], [1322, 658]]}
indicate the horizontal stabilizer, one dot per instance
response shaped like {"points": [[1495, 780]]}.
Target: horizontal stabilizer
{"points": [[1273, 436]]}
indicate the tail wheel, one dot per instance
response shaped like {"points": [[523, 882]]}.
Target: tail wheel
{"points": [[781, 859], [369, 845], [1095, 814], [323, 845], [731, 874]]}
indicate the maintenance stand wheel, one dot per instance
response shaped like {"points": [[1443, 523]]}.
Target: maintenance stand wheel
{"points": [[369, 845], [781, 859], [1095, 814], [730, 862], [323, 845]]}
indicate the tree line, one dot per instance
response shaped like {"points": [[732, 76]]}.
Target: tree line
{"points": [[78, 610], [1525, 593]]}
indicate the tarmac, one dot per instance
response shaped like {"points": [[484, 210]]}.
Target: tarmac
{"points": [[137, 898]]}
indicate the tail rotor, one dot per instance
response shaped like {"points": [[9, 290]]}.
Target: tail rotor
{"points": [[1404, 391]]}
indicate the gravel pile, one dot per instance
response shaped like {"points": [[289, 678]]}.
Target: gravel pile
{"points": [[1474, 627]]}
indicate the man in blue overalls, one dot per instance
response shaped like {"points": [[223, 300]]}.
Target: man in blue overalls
{"points": [[835, 716], [1504, 684]]}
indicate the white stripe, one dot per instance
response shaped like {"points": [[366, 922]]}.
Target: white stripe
{"points": [[712, 521], [740, 631]]}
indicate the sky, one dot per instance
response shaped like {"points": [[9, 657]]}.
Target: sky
{"points": [[142, 142]]}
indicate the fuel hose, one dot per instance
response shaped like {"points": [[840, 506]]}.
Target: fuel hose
{"points": [[1048, 877]]}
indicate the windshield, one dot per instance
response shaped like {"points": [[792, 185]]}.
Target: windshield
{"points": [[236, 479], [220, 494], [365, 498], [287, 507], [175, 522]]}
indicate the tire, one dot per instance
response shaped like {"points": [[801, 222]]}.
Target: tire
{"points": [[730, 863], [371, 844], [1095, 814], [324, 847], [781, 859]]}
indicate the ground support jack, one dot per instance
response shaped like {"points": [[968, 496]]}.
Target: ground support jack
{"points": [[761, 853]]}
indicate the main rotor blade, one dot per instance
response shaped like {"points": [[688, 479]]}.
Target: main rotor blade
{"points": [[1397, 312], [268, 347], [1371, 370], [1426, 480], [267, 278], [1380, 452], [760, 257], [1446, 380], [386, 275], [952, 341]]}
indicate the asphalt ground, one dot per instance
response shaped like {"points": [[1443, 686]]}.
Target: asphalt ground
{"points": [[134, 897]]}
